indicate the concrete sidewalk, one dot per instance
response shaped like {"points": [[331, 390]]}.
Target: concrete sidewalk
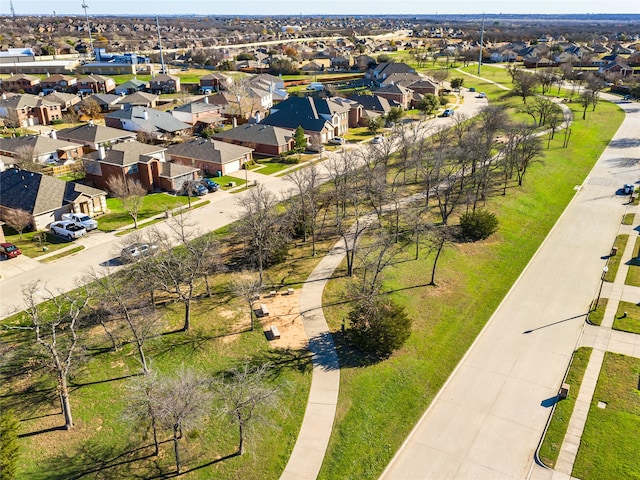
{"points": [[487, 420]]}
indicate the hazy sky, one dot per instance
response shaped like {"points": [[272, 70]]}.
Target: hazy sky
{"points": [[332, 7]]}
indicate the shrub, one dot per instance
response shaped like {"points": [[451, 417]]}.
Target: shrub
{"points": [[378, 326], [478, 225]]}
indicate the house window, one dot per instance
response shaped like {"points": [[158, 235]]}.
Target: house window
{"points": [[132, 169]]}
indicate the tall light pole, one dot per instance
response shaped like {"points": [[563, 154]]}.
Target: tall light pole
{"points": [[481, 43], [162, 68], [85, 6]]}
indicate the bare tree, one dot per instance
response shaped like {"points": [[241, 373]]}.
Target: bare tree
{"points": [[247, 286], [130, 192], [122, 299], [177, 270], [55, 325], [522, 149], [90, 108], [245, 394], [18, 219], [180, 402], [524, 85], [262, 227], [142, 404], [26, 158], [437, 238], [306, 181]]}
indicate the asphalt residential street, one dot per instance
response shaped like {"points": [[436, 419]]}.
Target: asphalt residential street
{"points": [[103, 249], [487, 420]]}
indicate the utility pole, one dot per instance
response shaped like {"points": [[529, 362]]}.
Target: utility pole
{"points": [[481, 44], [13, 12], [85, 6], [162, 68]]}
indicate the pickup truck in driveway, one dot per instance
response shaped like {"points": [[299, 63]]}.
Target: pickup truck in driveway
{"points": [[68, 229], [85, 220]]}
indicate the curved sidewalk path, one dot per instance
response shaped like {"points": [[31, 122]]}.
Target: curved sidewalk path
{"points": [[487, 420], [308, 453]]}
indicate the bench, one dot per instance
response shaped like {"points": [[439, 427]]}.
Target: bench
{"points": [[264, 310], [275, 333], [289, 291]]}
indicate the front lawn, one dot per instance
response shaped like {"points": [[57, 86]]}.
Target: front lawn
{"points": [[36, 244], [627, 317], [153, 204]]}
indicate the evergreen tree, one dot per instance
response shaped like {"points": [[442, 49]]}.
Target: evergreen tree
{"points": [[300, 140]]}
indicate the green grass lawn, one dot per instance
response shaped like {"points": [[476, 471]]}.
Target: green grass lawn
{"points": [[224, 180], [273, 166], [609, 444], [627, 317], [380, 403], [153, 204], [633, 274], [60, 255], [550, 448], [614, 262], [597, 314], [628, 218], [33, 248]]}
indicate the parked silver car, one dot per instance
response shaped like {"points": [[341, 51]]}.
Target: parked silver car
{"points": [[137, 251]]}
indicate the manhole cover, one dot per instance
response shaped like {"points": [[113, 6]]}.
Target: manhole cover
{"points": [[602, 405]]}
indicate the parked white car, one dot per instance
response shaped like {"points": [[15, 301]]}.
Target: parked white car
{"points": [[85, 220], [137, 251], [68, 229], [337, 141]]}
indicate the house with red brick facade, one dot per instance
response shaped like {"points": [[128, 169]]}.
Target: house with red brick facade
{"points": [[210, 156], [26, 110]]}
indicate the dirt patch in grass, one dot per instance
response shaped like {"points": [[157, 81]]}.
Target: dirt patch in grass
{"points": [[284, 313]]}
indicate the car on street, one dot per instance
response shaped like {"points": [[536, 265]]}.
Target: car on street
{"points": [[628, 189], [482, 95], [210, 184], [337, 141], [136, 251], [85, 220], [449, 112], [9, 250], [68, 229], [377, 139]]}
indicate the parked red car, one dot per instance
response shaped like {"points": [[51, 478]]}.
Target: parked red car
{"points": [[9, 250]]}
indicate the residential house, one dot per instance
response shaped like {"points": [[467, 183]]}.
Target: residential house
{"points": [[173, 176], [341, 62], [214, 82], [264, 139], [96, 84], [91, 136], [22, 83], [273, 85], [158, 125], [210, 156], [355, 111], [46, 198], [137, 161], [403, 79], [234, 107], [164, 83], [108, 102], [129, 87], [397, 93], [373, 106], [384, 69], [364, 62], [423, 87], [42, 149], [59, 83], [26, 110], [617, 67], [321, 118], [195, 112], [66, 100], [139, 99]]}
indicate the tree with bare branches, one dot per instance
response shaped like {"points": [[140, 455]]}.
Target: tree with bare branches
{"points": [[18, 219], [55, 325], [130, 192], [245, 394], [247, 286]]}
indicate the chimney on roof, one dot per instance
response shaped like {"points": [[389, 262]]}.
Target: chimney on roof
{"points": [[234, 122], [145, 115], [101, 152], [206, 99], [53, 134], [91, 123]]}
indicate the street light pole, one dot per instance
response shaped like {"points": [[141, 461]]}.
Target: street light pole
{"points": [[604, 273]]}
